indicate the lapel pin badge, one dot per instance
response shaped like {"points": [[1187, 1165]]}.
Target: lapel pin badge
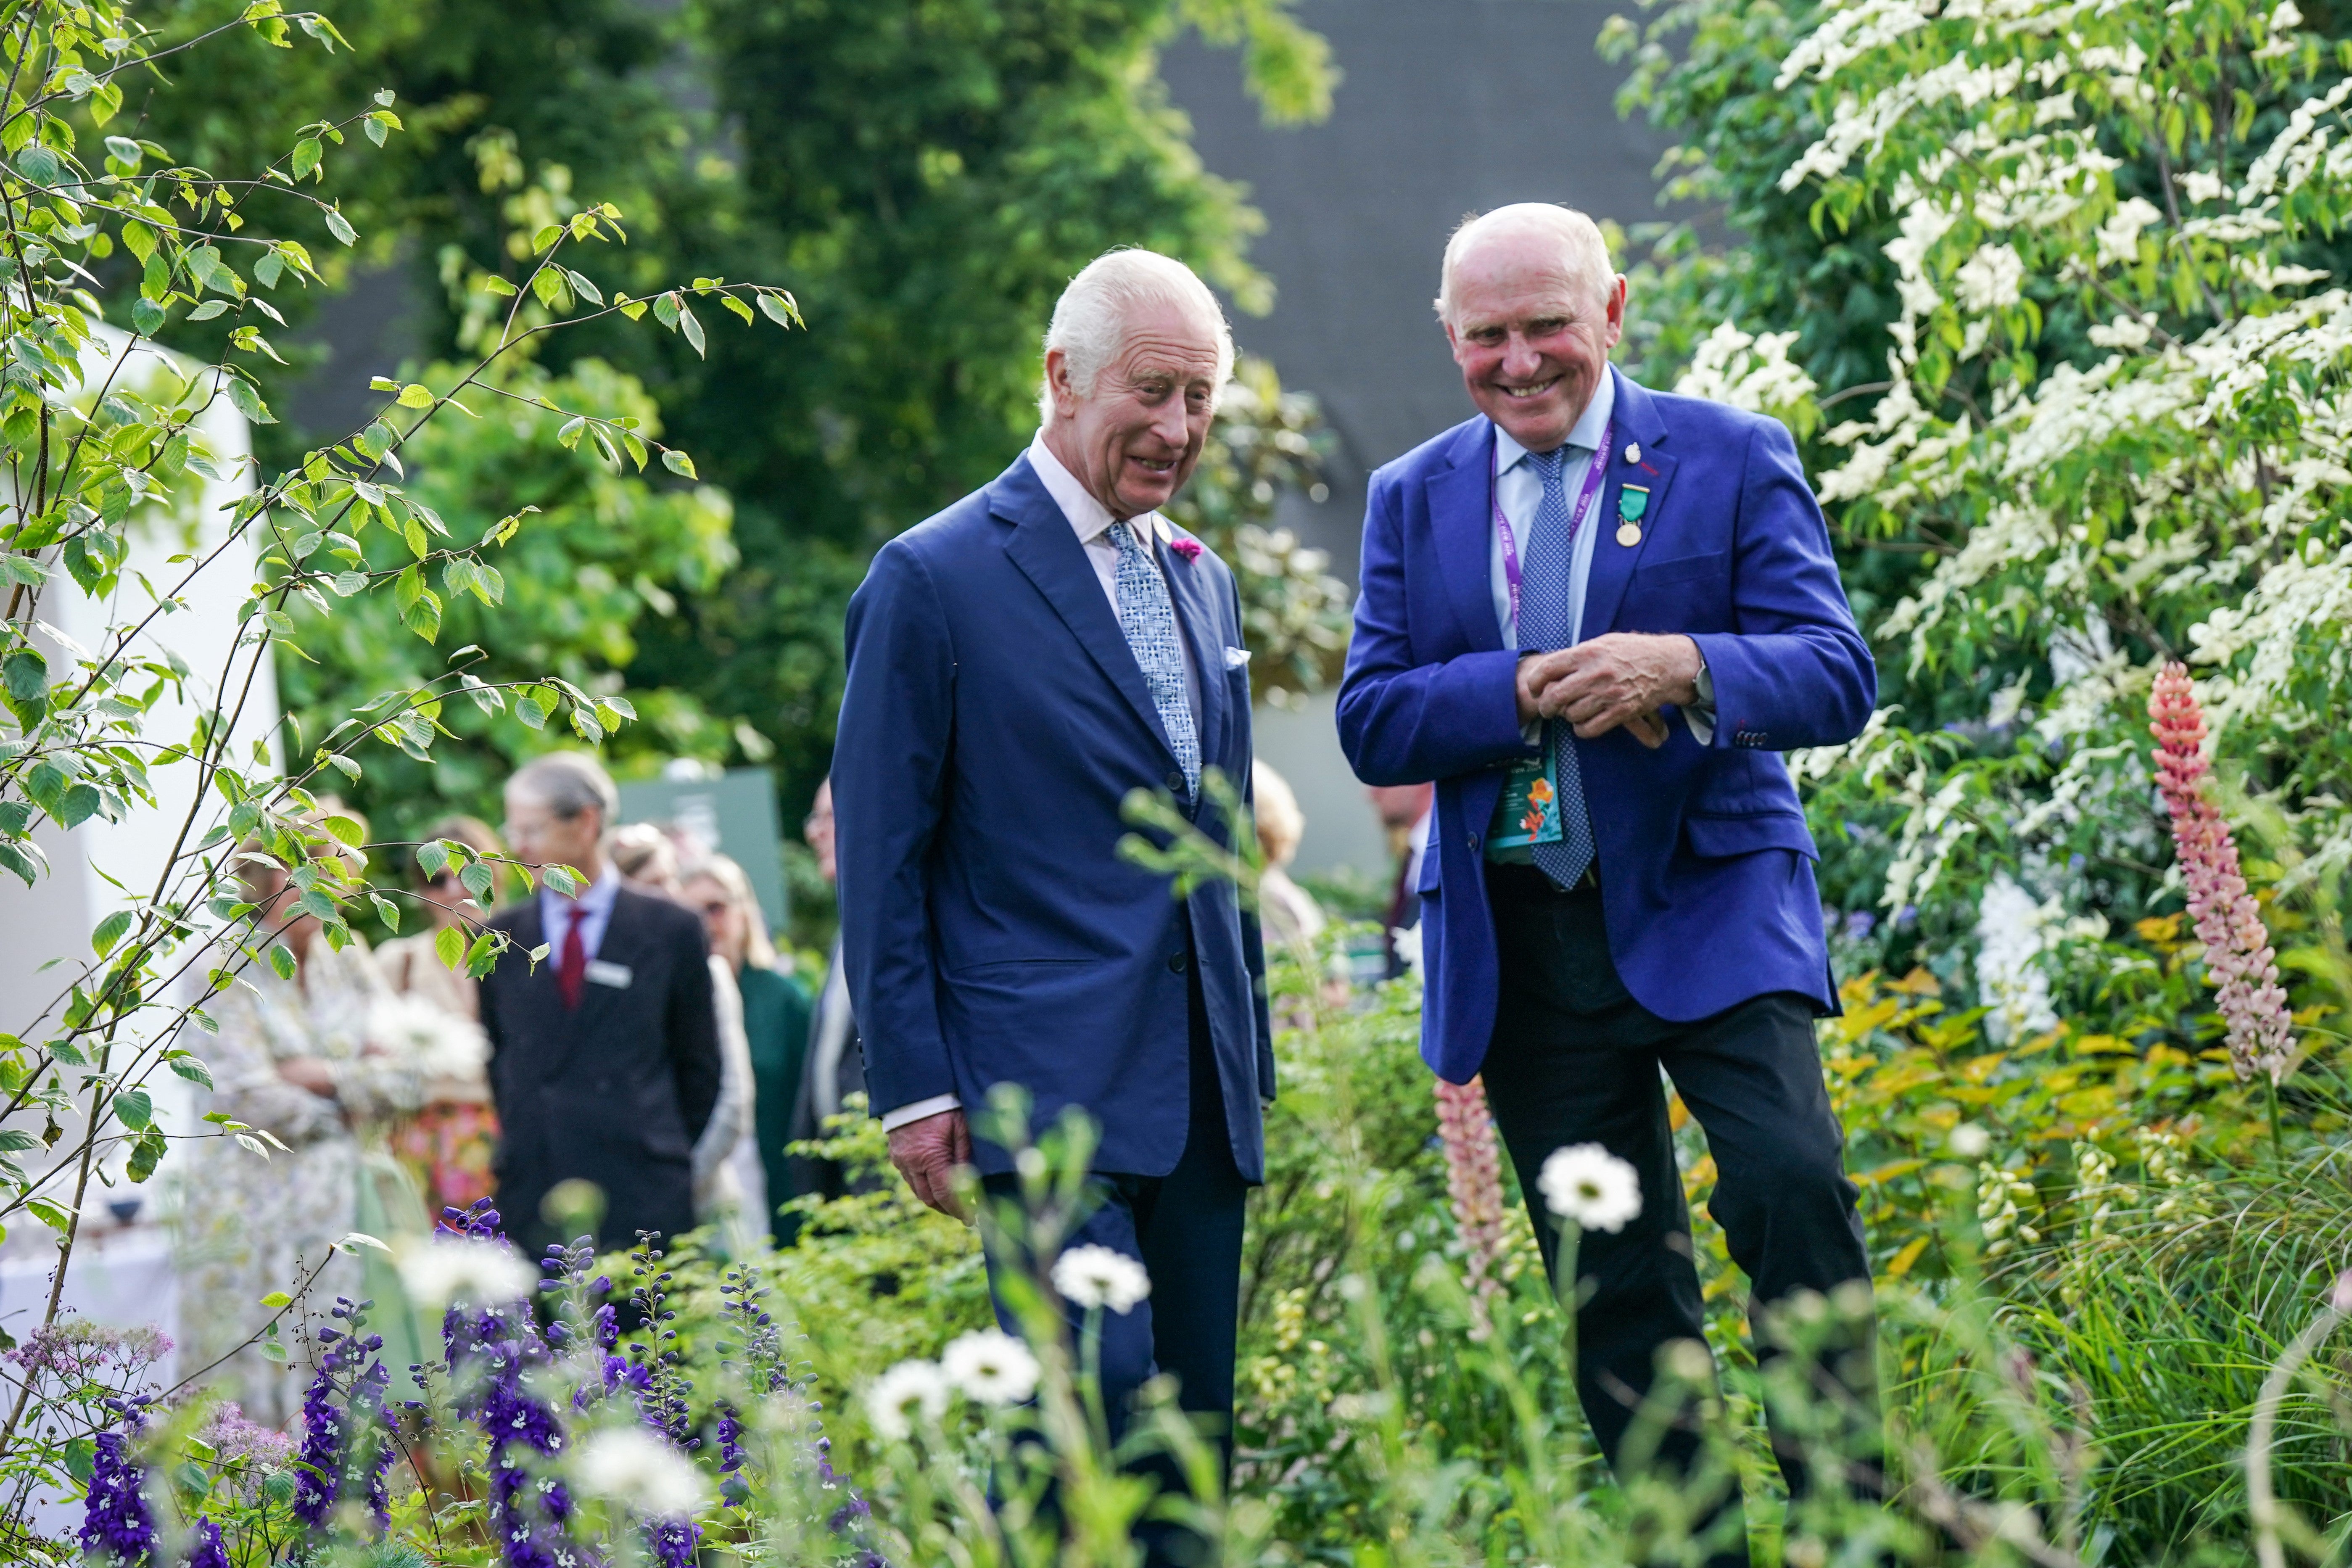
{"points": [[1633, 452], [1631, 502]]}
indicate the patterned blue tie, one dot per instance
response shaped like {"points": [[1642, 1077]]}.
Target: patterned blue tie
{"points": [[1546, 622], [1148, 616]]}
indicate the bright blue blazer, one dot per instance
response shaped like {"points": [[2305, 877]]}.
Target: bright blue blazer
{"points": [[1706, 880], [993, 723]]}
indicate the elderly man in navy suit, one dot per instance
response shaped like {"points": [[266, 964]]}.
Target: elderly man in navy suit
{"points": [[1595, 615], [1018, 663]]}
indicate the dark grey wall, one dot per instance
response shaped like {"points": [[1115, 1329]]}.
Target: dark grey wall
{"points": [[1449, 107]]}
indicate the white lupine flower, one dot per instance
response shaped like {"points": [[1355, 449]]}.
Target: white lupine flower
{"points": [[1991, 279], [1969, 1141], [444, 1269], [1098, 1276], [1588, 1185], [908, 1390], [633, 1467], [991, 1367]]}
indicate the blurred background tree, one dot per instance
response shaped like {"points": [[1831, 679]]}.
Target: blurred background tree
{"points": [[925, 176]]}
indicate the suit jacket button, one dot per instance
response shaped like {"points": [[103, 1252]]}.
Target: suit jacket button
{"points": [[1176, 783], [1175, 964]]}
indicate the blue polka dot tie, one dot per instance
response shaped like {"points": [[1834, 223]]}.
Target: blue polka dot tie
{"points": [[1148, 616], [1547, 622]]}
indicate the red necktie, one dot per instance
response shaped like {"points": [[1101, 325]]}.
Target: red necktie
{"points": [[572, 971]]}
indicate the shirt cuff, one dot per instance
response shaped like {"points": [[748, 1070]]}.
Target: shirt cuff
{"points": [[1700, 715], [893, 1120]]}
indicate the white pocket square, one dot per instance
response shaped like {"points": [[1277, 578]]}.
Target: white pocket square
{"points": [[1235, 658]]}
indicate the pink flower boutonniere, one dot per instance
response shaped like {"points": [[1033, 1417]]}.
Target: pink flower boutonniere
{"points": [[1190, 548]]}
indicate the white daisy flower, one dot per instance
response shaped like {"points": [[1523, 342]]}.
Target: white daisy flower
{"points": [[1099, 1277], [631, 1467], [992, 1367], [445, 1268], [895, 1398], [1588, 1185]]}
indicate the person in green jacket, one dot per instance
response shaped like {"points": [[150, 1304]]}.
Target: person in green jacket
{"points": [[776, 1016]]}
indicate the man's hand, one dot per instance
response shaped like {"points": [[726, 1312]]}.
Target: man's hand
{"points": [[926, 1154], [1618, 678]]}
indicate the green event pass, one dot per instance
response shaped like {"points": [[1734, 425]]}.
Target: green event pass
{"points": [[1528, 812]]}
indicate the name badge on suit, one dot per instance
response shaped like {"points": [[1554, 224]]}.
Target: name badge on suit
{"points": [[616, 975]]}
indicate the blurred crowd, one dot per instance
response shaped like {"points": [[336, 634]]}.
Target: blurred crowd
{"points": [[381, 1086]]}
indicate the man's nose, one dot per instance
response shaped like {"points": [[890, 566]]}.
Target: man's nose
{"points": [[1519, 356], [1168, 423]]}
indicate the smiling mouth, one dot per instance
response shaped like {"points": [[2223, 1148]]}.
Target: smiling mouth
{"points": [[1154, 465], [1522, 394]]}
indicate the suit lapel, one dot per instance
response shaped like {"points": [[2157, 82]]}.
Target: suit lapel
{"points": [[1198, 615], [1046, 550], [1460, 516], [1637, 423]]}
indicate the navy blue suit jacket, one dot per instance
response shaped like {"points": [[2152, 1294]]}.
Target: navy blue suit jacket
{"points": [[994, 720], [1706, 878]]}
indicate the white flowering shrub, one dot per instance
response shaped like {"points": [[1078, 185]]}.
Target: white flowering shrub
{"points": [[2105, 430]]}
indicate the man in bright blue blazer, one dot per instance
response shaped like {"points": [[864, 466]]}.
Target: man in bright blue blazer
{"points": [[1018, 665], [1595, 615]]}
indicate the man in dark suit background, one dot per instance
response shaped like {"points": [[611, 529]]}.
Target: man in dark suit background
{"points": [[1018, 663], [604, 1056]]}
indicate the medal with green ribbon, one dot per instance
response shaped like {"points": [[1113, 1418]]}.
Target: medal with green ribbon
{"points": [[1631, 502]]}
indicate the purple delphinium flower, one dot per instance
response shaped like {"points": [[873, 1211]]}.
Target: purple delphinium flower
{"points": [[322, 1427], [672, 1540], [491, 1348], [733, 1489], [116, 1524], [209, 1551]]}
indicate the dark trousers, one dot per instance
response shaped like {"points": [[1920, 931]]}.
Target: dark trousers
{"points": [[1186, 1229], [1575, 1060]]}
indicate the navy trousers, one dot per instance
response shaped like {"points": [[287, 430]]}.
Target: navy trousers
{"points": [[1575, 1060], [1185, 1227]]}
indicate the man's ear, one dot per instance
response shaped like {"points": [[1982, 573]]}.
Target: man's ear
{"points": [[1057, 376]]}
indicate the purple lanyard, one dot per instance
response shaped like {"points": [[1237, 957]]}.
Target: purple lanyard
{"points": [[1575, 517]]}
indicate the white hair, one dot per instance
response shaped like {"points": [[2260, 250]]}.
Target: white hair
{"points": [[1583, 249], [567, 783], [1090, 318]]}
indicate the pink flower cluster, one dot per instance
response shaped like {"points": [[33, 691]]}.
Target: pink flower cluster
{"points": [[1474, 1181], [2237, 955]]}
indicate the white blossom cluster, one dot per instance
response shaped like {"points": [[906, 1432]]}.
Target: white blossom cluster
{"points": [[2167, 478]]}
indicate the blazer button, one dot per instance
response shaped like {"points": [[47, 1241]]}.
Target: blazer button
{"points": [[1176, 783], [1175, 964]]}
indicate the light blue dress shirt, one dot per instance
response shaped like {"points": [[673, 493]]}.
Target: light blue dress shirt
{"points": [[593, 910], [1519, 489]]}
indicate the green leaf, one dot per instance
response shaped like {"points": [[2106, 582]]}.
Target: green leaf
{"points": [[26, 674], [247, 401], [431, 858], [691, 327], [416, 396], [134, 1109], [340, 227], [276, 1301], [109, 932], [677, 462], [307, 156], [777, 311], [193, 1070], [493, 283], [449, 946], [346, 829], [209, 309], [51, 1215], [736, 304], [146, 316], [281, 961]]}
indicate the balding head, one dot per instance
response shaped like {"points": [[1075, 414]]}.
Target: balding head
{"points": [[1521, 230], [1532, 309]]}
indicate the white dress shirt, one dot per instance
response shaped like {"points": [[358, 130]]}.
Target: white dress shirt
{"points": [[1518, 490], [1091, 521], [592, 911]]}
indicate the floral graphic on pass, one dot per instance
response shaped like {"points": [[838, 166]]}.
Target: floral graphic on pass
{"points": [[1539, 792]]}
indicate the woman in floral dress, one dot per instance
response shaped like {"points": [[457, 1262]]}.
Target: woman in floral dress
{"points": [[294, 1057], [449, 1144]]}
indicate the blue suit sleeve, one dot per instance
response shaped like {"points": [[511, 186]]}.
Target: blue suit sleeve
{"points": [[1796, 671], [1253, 929], [1401, 722], [889, 783]]}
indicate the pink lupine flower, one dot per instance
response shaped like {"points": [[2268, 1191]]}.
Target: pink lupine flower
{"points": [[1474, 1181], [2238, 954]]}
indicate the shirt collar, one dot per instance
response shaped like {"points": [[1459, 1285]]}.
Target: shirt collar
{"points": [[1586, 436], [1089, 516], [595, 898]]}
